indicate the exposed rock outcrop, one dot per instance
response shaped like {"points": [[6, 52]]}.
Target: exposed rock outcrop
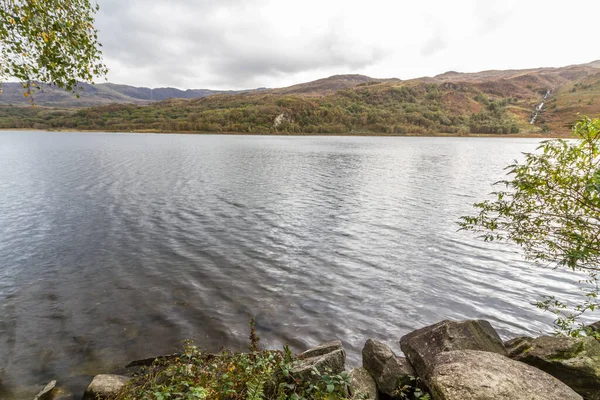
{"points": [[422, 346], [104, 386], [389, 371], [480, 375], [574, 361], [280, 119], [363, 385]]}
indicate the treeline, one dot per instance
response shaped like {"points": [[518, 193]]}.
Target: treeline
{"points": [[378, 108]]}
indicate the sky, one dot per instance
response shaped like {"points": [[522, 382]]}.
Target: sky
{"points": [[242, 44]]}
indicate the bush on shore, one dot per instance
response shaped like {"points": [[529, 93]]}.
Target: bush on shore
{"points": [[233, 376]]}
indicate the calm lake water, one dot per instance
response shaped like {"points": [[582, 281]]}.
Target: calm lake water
{"points": [[115, 247]]}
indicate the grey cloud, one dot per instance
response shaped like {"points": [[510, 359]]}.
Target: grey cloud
{"points": [[434, 44], [223, 43], [492, 15]]}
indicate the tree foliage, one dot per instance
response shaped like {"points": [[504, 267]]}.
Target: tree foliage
{"points": [[550, 207], [49, 41]]}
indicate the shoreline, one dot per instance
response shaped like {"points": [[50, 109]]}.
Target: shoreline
{"points": [[526, 135], [482, 365]]}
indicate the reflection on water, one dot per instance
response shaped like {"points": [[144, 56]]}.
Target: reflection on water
{"points": [[116, 247]]}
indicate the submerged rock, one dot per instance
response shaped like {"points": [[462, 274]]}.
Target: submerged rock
{"points": [[363, 385], [389, 371], [146, 362], [574, 361], [422, 346], [480, 375], [103, 386], [46, 392]]}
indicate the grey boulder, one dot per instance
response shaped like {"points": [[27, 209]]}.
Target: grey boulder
{"points": [[595, 326], [326, 357], [479, 375], [574, 361], [518, 345], [104, 386], [389, 371], [321, 349], [422, 346], [362, 386]]}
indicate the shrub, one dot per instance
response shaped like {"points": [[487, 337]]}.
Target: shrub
{"points": [[256, 375], [551, 209]]}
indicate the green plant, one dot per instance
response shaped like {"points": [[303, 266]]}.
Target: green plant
{"points": [[412, 391], [258, 375], [550, 207], [254, 338]]}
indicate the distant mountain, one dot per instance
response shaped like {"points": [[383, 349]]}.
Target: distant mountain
{"points": [[104, 93], [111, 93], [492, 102]]}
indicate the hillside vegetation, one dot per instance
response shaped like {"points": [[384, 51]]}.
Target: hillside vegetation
{"points": [[491, 102]]}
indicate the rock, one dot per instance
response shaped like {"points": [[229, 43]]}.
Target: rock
{"points": [[423, 345], [363, 386], [46, 392], [104, 386], [146, 362], [321, 349], [595, 326], [480, 375], [517, 345], [328, 356], [574, 361], [61, 394], [280, 119], [389, 371]]}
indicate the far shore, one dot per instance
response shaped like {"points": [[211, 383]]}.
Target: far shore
{"points": [[525, 135]]}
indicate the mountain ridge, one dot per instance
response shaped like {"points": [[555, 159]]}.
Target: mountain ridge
{"points": [[493, 102], [109, 93]]}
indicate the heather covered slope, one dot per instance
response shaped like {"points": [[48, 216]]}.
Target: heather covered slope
{"points": [[493, 102]]}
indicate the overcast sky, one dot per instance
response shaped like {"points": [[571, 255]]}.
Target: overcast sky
{"points": [[236, 44]]}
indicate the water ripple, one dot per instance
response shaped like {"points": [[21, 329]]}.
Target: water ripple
{"points": [[115, 247]]}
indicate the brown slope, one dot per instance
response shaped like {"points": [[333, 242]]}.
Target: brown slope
{"points": [[329, 85]]}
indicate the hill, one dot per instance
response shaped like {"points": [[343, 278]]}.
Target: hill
{"points": [[329, 85], [110, 93], [101, 94], [494, 102]]}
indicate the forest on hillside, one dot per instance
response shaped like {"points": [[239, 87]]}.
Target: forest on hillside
{"points": [[377, 108]]}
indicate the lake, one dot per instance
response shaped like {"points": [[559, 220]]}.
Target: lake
{"points": [[115, 247]]}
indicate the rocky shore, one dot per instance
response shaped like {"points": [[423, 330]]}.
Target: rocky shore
{"points": [[451, 360]]}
